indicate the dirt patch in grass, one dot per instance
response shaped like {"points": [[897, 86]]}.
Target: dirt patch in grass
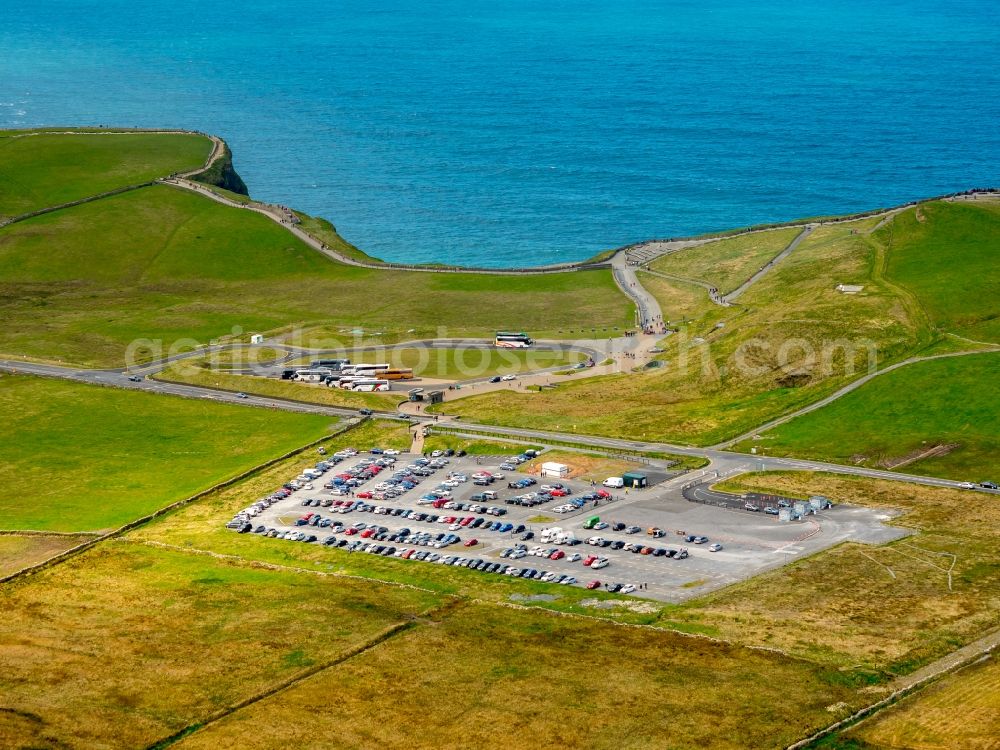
{"points": [[585, 466], [17, 552]]}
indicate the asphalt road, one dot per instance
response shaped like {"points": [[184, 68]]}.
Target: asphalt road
{"points": [[722, 463]]}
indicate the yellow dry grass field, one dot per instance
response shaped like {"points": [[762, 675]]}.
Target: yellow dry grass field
{"points": [[585, 466], [888, 607], [128, 644], [20, 551], [962, 712], [488, 676]]}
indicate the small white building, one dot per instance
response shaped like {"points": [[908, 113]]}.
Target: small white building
{"points": [[553, 469], [849, 288], [257, 338]]}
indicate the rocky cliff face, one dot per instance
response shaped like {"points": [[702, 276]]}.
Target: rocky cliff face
{"points": [[223, 175]]}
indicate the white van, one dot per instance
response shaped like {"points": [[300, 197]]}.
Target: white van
{"points": [[615, 483]]}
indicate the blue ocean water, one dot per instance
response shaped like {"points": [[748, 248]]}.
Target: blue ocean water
{"points": [[535, 131]]}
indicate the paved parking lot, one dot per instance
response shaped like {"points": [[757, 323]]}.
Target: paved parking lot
{"points": [[751, 542]]}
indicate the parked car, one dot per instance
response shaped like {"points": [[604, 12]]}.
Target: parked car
{"points": [[714, 547], [595, 584]]}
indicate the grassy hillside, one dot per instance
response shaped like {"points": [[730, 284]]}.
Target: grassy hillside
{"points": [[163, 263], [37, 171], [726, 264], [947, 255], [903, 414], [83, 458], [793, 339]]}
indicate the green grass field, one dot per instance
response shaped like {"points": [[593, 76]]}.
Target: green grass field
{"points": [[38, 171], [727, 263], [903, 414], [128, 644], [484, 676], [82, 283], [84, 458], [947, 254]]}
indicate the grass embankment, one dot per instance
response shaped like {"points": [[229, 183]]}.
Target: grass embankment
{"points": [[961, 712], [128, 644], [888, 608], [474, 447], [726, 263], [946, 403], [38, 171], [84, 282], [793, 340], [314, 393], [946, 254], [524, 679], [84, 458]]}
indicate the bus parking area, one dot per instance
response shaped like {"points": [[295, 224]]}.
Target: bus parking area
{"points": [[485, 514]]}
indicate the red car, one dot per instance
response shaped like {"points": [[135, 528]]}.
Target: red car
{"points": [[557, 555], [558, 493], [449, 519], [594, 585], [408, 554], [351, 531], [472, 543], [467, 520], [365, 495], [589, 559], [367, 533], [603, 493]]}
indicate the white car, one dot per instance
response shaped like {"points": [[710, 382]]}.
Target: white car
{"points": [[575, 557], [714, 547], [600, 562], [967, 486], [307, 487], [391, 452], [498, 475], [437, 454], [628, 588], [509, 377]]}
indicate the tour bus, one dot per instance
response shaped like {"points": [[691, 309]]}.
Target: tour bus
{"points": [[348, 382], [335, 364], [399, 373], [312, 376], [364, 369], [510, 340], [370, 384]]}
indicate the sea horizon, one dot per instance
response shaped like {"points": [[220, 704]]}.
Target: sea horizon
{"points": [[467, 134]]}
